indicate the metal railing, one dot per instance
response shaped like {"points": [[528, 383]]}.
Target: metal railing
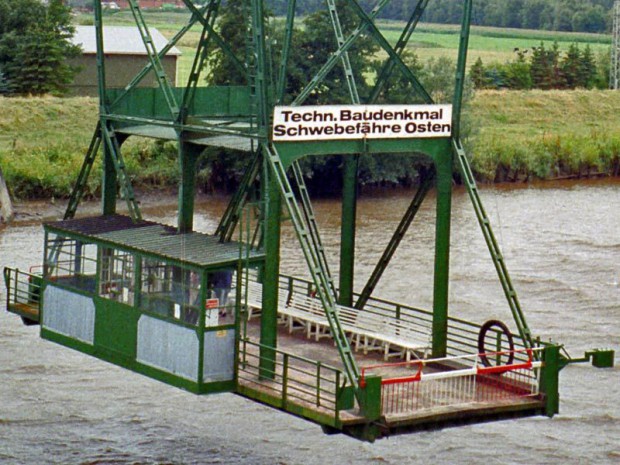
{"points": [[295, 380], [470, 382], [462, 334], [23, 291]]}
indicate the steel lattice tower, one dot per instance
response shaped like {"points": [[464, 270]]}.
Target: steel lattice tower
{"points": [[614, 74]]}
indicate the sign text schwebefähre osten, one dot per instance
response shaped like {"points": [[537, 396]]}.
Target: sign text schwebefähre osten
{"points": [[331, 122]]}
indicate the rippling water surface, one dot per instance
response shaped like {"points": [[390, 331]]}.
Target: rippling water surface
{"points": [[562, 246]]}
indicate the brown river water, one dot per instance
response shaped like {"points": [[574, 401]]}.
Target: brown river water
{"points": [[562, 247]]}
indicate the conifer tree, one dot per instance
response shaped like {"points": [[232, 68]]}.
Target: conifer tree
{"points": [[34, 46]]}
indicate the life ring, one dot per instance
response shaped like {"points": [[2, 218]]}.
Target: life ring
{"points": [[484, 329]]}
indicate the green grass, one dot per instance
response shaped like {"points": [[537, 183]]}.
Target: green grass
{"points": [[490, 44], [516, 134], [43, 141], [544, 134]]}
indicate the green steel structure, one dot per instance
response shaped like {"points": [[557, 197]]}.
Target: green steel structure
{"points": [[144, 295]]}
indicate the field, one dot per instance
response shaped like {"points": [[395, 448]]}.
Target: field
{"points": [[429, 40]]}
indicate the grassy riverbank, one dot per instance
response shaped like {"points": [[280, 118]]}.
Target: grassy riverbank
{"points": [[516, 136], [545, 134], [43, 141]]}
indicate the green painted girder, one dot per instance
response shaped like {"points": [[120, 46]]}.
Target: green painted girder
{"points": [[396, 239], [318, 273], [78, 190], [111, 142], [286, 48], [343, 47], [171, 43], [262, 79], [202, 129], [232, 215], [459, 80], [313, 227], [400, 46], [344, 55], [214, 34], [160, 73], [201, 53], [433, 148], [492, 245], [393, 55]]}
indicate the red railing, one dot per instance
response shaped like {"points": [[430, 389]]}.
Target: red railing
{"points": [[453, 381]]}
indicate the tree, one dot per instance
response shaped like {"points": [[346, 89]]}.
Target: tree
{"points": [[518, 72], [477, 74], [35, 42], [222, 69], [587, 70], [572, 67], [545, 67]]}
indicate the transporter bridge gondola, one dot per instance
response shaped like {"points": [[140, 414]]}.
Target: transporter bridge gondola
{"points": [[211, 312]]}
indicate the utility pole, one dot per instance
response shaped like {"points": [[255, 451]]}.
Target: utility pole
{"points": [[614, 72]]}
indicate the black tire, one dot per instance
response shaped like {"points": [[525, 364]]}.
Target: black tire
{"points": [[484, 329]]}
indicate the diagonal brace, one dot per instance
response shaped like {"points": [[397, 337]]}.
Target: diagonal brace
{"points": [[402, 42], [171, 43], [216, 37], [383, 43], [336, 56], [399, 233]]}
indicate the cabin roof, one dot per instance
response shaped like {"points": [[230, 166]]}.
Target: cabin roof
{"points": [[154, 239], [119, 40]]}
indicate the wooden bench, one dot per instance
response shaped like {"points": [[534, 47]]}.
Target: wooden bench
{"points": [[367, 329], [371, 330], [306, 312]]}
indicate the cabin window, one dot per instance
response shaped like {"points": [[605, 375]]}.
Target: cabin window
{"points": [[116, 279], [170, 290], [71, 262]]}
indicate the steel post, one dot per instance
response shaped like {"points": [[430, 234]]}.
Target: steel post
{"points": [[549, 379], [269, 315], [442, 254], [188, 154], [347, 230]]}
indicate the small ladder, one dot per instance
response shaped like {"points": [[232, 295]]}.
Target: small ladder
{"points": [[111, 142], [313, 226], [80, 186], [233, 212], [319, 274], [151, 51], [489, 237]]}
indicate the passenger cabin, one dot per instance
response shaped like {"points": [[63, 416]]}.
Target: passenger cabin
{"points": [[145, 297]]}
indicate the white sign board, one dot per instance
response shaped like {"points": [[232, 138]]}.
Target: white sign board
{"points": [[332, 122]]}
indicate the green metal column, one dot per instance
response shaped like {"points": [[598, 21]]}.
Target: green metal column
{"points": [[109, 183], [549, 379], [442, 253], [347, 230], [188, 154], [269, 315]]}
